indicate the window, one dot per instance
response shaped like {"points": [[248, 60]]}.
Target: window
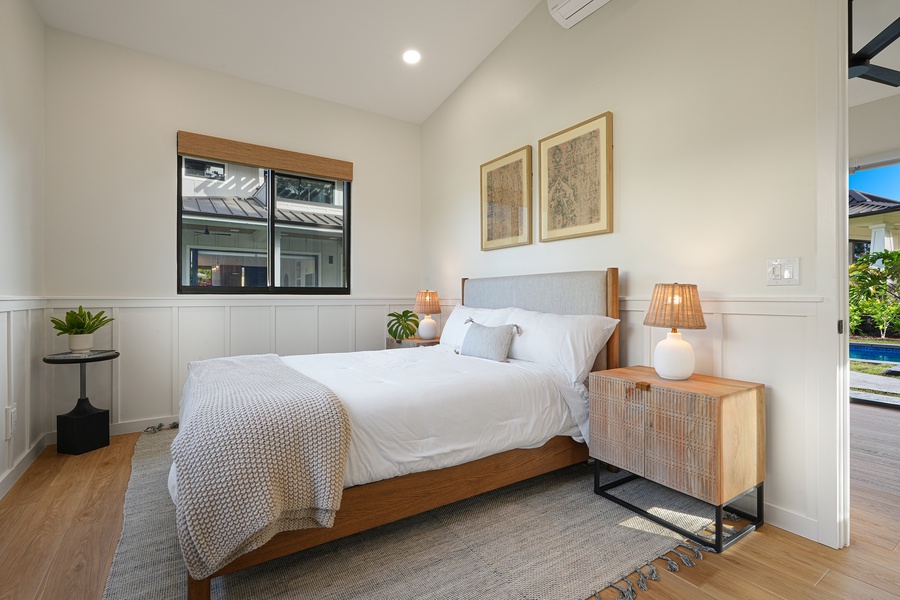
{"points": [[858, 249], [253, 219]]}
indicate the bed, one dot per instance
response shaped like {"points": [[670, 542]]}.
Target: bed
{"points": [[393, 487]]}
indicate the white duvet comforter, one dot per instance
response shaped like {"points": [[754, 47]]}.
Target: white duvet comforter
{"points": [[419, 409]]}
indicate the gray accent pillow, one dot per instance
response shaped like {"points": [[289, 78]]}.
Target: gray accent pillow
{"points": [[488, 342]]}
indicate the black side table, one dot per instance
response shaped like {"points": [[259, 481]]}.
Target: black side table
{"points": [[85, 427]]}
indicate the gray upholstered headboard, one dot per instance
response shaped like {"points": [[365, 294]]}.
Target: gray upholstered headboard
{"points": [[573, 293]]}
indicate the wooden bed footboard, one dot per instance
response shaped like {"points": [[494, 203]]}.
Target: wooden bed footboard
{"points": [[366, 506]]}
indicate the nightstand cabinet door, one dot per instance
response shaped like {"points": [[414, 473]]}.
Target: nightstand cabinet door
{"points": [[617, 423], [680, 442], [704, 436]]}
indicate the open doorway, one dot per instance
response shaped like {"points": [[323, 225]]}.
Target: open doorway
{"points": [[874, 298]]}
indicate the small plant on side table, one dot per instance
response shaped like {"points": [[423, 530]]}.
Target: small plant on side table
{"points": [[402, 325], [80, 326]]}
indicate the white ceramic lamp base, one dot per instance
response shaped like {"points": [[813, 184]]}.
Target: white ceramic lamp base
{"points": [[673, 357], [427, 328]]}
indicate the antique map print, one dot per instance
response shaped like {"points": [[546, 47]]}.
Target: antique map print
{"points": [[576, 180], [506, 216], [573, 173], [506, 200]]}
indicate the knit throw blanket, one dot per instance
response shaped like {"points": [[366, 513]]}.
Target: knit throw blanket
{"points": [[262, 450]]}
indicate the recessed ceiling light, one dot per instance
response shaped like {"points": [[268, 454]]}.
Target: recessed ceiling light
{"points": [[411, 57]]}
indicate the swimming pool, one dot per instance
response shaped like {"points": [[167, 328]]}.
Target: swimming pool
{"points": [[879, 352]]}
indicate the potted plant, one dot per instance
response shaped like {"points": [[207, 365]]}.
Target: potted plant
{"points": [[80, 326], [402, 325]]}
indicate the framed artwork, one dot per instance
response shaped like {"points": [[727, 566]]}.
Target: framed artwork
{"points": [[576, 180], [506, 200]]}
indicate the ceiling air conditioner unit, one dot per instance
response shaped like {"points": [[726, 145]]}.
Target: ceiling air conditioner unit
{"points": [[569, 12]]}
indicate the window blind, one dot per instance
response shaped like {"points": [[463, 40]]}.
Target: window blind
{"points": [[205, 146]]}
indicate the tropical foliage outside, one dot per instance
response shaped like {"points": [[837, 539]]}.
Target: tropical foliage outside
{"points": [[875, 295]]}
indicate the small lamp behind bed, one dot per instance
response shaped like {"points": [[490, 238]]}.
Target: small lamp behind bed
{"points": [[674, 305], [427, 302]]}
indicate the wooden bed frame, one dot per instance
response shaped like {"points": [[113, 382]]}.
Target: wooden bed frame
{"points": [[367, 506]]}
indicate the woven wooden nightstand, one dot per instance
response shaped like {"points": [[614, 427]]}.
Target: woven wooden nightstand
{"points": [[703, 436]]}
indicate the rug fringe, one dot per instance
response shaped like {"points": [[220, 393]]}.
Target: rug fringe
{"points": [[626, 588], [685, 559], [161, 427]]}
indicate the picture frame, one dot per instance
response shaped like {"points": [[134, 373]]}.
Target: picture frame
{"points": [[576, 193], [506, 200]]}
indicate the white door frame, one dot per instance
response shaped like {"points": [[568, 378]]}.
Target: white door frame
{"points": [[832, 365]]}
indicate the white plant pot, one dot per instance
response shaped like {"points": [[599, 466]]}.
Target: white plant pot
{"points": [[81, 343]]}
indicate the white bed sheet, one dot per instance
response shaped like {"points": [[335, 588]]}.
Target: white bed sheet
{"points": [[419, 409]]}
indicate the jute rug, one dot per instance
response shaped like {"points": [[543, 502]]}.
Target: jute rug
{"points": [[544, 539]]}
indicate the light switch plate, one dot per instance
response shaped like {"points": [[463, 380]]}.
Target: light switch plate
{"points": [[783, 271]]}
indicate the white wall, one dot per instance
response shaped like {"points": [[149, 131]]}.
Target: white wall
{"points": [[720, 162], [111, 120], [112, 116], [21, 148], [22, 95]]}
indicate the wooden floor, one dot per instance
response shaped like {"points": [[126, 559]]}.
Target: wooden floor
{"points": [[60, 523]]}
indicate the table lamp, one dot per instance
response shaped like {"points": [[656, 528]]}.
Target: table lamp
{"points": [[427, 302], [674, 305]]}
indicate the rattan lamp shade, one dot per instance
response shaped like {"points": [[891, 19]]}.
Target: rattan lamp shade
{"points": [[427, 302], [674, 305]]}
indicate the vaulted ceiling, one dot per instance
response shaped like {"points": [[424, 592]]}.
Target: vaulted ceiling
{"points": [[344, 51], [349, 51]]}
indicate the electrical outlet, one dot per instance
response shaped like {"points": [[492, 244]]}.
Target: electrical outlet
{"points": [[10, 421], [783, 271]]}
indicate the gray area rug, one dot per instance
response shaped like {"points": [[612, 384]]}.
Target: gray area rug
{"points": [[547, 538]]}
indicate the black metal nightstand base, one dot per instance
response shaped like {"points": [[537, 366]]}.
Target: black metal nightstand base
{"points": [[83, 429], [719, 543]]}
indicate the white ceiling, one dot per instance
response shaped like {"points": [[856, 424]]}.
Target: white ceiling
{"points": [[344, 51], [348, 51]]}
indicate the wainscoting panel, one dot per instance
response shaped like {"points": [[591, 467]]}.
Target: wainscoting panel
{"points": [[631, 338], [18, 380], [371, 327], [296, 330], [789, 428], [203, 332], [337, 329], [772, 342], [38, 410], [23, 328], [6, 454], [251, 330], [145, 363]]}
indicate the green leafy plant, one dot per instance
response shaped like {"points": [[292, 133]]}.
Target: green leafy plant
{"points": [[79, 322], [875, 290], [402, 325]]}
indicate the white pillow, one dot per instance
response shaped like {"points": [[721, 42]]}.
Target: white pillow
{"points": [[569, 342], [455, 327], [491, 343]]}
